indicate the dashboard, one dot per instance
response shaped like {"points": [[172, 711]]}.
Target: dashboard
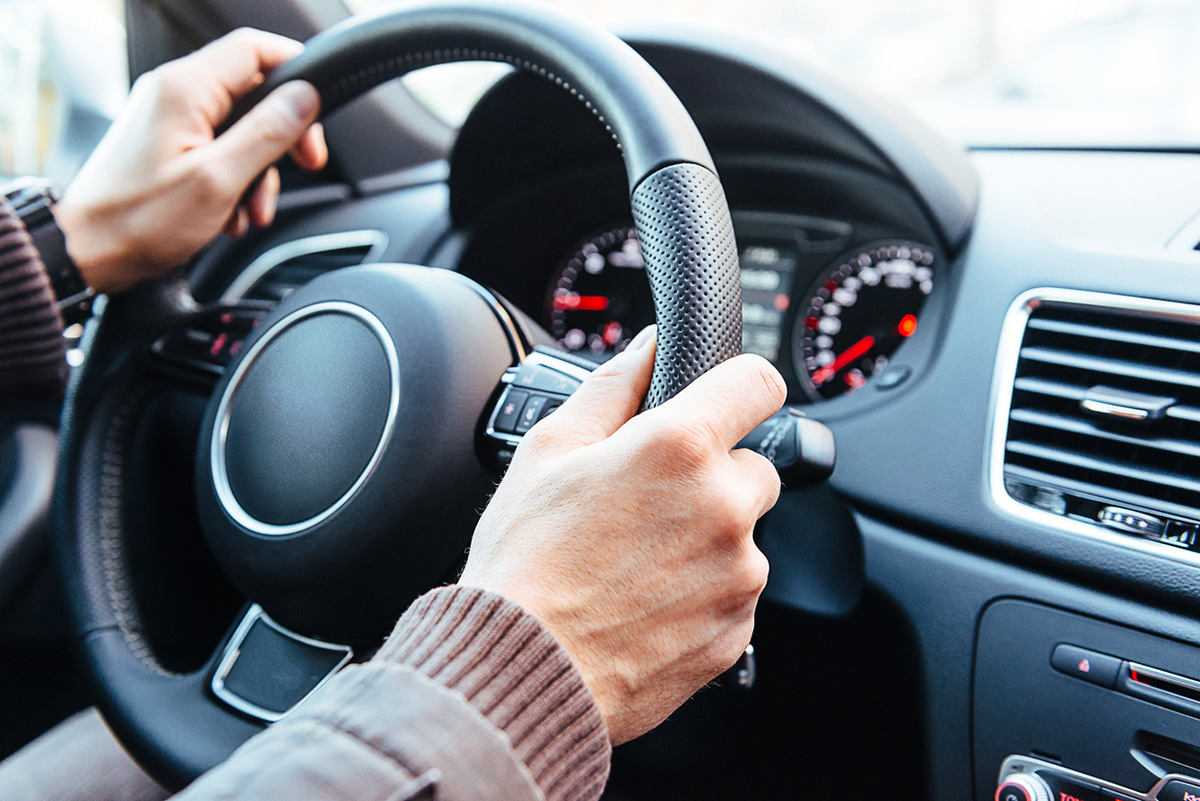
{"points": [[948, 316]]}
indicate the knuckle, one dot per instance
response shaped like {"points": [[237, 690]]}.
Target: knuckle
{"points": [[208, 181], [767, 379]]}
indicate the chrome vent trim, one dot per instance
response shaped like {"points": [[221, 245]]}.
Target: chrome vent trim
{"points": [[1160, 317], [372, 242]]}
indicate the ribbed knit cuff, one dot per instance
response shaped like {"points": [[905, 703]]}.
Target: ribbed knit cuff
{"points": [[510, 668], [32, 349]]}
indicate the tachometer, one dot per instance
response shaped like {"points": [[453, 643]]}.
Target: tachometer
{"points": [[599, 297], [858, 313]]}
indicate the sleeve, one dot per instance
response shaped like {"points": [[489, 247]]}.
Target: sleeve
{"points": [[32, 349], [470, 698]]}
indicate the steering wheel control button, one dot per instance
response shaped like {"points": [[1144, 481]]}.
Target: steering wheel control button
{"points": [[1090, 666], [511, 404], [210, 341], [532, 412], [284, 459], [544, 379], [1179, 791], [1023, 787]]}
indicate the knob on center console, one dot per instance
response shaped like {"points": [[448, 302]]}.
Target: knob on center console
{"points": [[1023, 787]]}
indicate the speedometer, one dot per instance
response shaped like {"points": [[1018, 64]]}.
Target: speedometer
{"points": [[858, 313], [599, 297]]}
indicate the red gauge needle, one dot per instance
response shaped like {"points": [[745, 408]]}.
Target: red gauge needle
{"points": [[848, 355], [572, 302]]}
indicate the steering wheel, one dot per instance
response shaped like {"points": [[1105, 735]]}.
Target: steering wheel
{"points": [[338, 468]]}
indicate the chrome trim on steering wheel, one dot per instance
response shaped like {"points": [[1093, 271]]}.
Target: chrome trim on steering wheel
{"points": [[220, 473]]}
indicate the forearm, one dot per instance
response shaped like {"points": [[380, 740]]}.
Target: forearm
{"points": [[32, 350], [470, 698]]}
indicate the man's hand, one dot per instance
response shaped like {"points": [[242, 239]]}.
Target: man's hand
{"points": [[631, 538], [160, 186]]}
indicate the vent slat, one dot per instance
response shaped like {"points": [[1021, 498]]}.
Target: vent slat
{"points": [[1111, 333], [1057, 389], [294, 273], [1075, 425], [1120, 469], [1101, 364], [1102, 494]]}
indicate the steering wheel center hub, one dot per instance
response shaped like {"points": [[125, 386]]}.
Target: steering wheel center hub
{"points": [[337, 475], [284, 460]]}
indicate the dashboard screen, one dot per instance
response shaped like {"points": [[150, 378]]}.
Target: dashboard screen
{"points": [[768, 268]]}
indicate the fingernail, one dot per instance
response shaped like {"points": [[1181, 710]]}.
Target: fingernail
{"points": [[643, 339], [300, 100]]}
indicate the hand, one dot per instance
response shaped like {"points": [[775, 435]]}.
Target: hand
{"points": [[631, 538], [160, 186]]}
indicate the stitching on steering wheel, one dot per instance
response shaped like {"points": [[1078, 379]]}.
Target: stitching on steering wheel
{"points": [[116, 578], [346, 86]]}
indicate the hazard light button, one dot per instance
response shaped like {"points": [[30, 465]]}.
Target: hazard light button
{"points": [[1088, 665]]}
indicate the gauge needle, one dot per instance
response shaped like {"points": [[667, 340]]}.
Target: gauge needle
{"points": [[848, 355], [573, 302]]}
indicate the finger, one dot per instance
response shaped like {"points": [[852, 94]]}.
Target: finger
{"points": [[312, 152], [612, 394], [759, 477], [266, 133], [263, 199], [239, 224], [238, 62], [728, 401]]}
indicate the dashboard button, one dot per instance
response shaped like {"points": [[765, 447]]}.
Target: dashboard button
{"points": [[1179, 791], [531, 413], [1088, 665], [510, 409]]}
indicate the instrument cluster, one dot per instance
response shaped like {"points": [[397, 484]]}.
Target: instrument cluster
{"points": [[829, 309]]}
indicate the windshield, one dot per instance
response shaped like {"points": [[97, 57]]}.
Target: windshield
{"points": [[984, 72]]}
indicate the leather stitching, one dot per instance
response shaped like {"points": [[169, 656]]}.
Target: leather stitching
{"points": [[112, 556]]}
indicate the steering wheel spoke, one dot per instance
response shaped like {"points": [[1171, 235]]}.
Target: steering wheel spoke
{"points": [[265, 669]]}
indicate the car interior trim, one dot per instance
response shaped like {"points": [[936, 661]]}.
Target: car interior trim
{"points": [[376, 241], [1004, 377], [232, 651], [220, 473]]}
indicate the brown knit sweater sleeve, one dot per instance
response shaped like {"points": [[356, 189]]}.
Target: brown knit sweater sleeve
{"points": [[32, 349], [470, 698]]}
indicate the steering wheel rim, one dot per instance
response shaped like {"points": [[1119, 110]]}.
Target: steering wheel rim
{"points": [[171, 722]]}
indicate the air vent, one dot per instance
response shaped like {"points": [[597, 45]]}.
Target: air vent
{"points": [[282, 269], [1102, 420]]}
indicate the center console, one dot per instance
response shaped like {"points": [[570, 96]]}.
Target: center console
{"points": [[1073, 708]]}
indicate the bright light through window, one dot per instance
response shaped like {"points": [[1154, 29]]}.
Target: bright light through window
{"points": [[1105, 72]]}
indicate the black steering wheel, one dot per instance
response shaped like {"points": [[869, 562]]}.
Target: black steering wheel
{"points": [[338, 469]]}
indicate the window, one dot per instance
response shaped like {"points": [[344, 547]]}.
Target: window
{"points": [[63, 77]]}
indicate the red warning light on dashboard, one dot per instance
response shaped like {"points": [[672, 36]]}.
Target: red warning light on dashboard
{"points": [[907, 326], [1085, 666]]}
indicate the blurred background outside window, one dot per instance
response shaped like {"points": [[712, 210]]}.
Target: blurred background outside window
{"points": [[63, 76], [984, 72]]}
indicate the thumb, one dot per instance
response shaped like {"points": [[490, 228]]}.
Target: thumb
{"points": [[267, 132], [612, 393]]}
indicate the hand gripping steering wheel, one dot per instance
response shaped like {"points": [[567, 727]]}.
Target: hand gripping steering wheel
{"points": [[338, 471]]}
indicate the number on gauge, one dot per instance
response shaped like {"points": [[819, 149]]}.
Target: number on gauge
{"points": [[599, 297], [858, 313]]}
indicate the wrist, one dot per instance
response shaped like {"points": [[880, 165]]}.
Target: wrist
{"points": [[90, 247], [507, 665]]}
